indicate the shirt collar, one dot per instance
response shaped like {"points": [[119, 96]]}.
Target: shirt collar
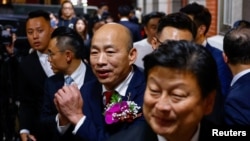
{"points": [[122, 87], [238, 75], [78, 75], [204, 43], [42, 56], [124, 19], [194, 138]]}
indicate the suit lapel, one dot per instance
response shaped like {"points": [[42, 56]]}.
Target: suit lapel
{"points": [[136, 81], [88, 74]]}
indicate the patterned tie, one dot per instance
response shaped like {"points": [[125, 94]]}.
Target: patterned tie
{"points": [[68, 80], [108, 95]]}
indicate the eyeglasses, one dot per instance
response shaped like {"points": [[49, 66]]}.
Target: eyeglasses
{"points": [[160, 42], [50, 54]]}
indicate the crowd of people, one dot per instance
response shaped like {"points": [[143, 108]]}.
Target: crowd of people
{"points": [[95, 79]]}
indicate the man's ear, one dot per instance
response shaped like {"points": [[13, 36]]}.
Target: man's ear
{"points": [[132, 55], [209, 103], [201, 30], [69, 55], [154, 43], [225, 57]]}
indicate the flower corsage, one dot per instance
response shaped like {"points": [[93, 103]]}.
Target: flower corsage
{"points": [[121, 111]]}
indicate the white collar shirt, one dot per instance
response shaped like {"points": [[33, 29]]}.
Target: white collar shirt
{"points": [[43, 58], [239, 75], [122, 87], [78, 75]]}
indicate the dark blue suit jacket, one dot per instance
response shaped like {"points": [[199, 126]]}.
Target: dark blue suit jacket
{"points": [[49, 111], [237, 103], [134, 29], [225, 77], [224, 73], [94, 127]]}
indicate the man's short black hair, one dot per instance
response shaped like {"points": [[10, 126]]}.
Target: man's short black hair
{"points": [[187, 57], [155, 14], [201, 14], [124, 10], [177, 20], [236, 44], [67, 38], [38, 13]]}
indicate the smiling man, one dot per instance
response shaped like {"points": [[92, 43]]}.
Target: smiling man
{"points": [[180, 91], [111, 57]]}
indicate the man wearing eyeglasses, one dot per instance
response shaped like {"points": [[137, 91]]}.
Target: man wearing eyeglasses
{"points": [[65, 56], [175, 26], [67, 15]]}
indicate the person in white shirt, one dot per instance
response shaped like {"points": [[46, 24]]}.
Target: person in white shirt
{"points": [[149, 22]]}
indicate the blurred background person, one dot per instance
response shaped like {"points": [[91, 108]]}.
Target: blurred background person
{"points": [[81, 27], [67, 15], [9, 100], [53, 20], [123, 14], [150, 23]]}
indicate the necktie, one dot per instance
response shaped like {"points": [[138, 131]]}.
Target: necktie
{"points": [[68, 80], [107, 95]]}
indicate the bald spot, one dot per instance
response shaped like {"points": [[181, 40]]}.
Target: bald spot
{"points": [[114, 31]]}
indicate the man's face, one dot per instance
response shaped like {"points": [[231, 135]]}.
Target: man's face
{"points": [[67, 10], [173, 103], [171, 33], [110, 58], [104, 8], [57, 58], [38, 32], [151, 27]]}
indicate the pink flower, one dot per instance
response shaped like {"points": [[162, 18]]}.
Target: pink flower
{"points": [[116, 108], [121, 111]]}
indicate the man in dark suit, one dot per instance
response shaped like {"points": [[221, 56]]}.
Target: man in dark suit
{"points": [[202, 18], [65, 48], [123, 13], [237, 56], [179, 92], [34, 69], [112, 63]]}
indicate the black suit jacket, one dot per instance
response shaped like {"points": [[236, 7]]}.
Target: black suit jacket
{"points": [[49, 111], [31, 90]]}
